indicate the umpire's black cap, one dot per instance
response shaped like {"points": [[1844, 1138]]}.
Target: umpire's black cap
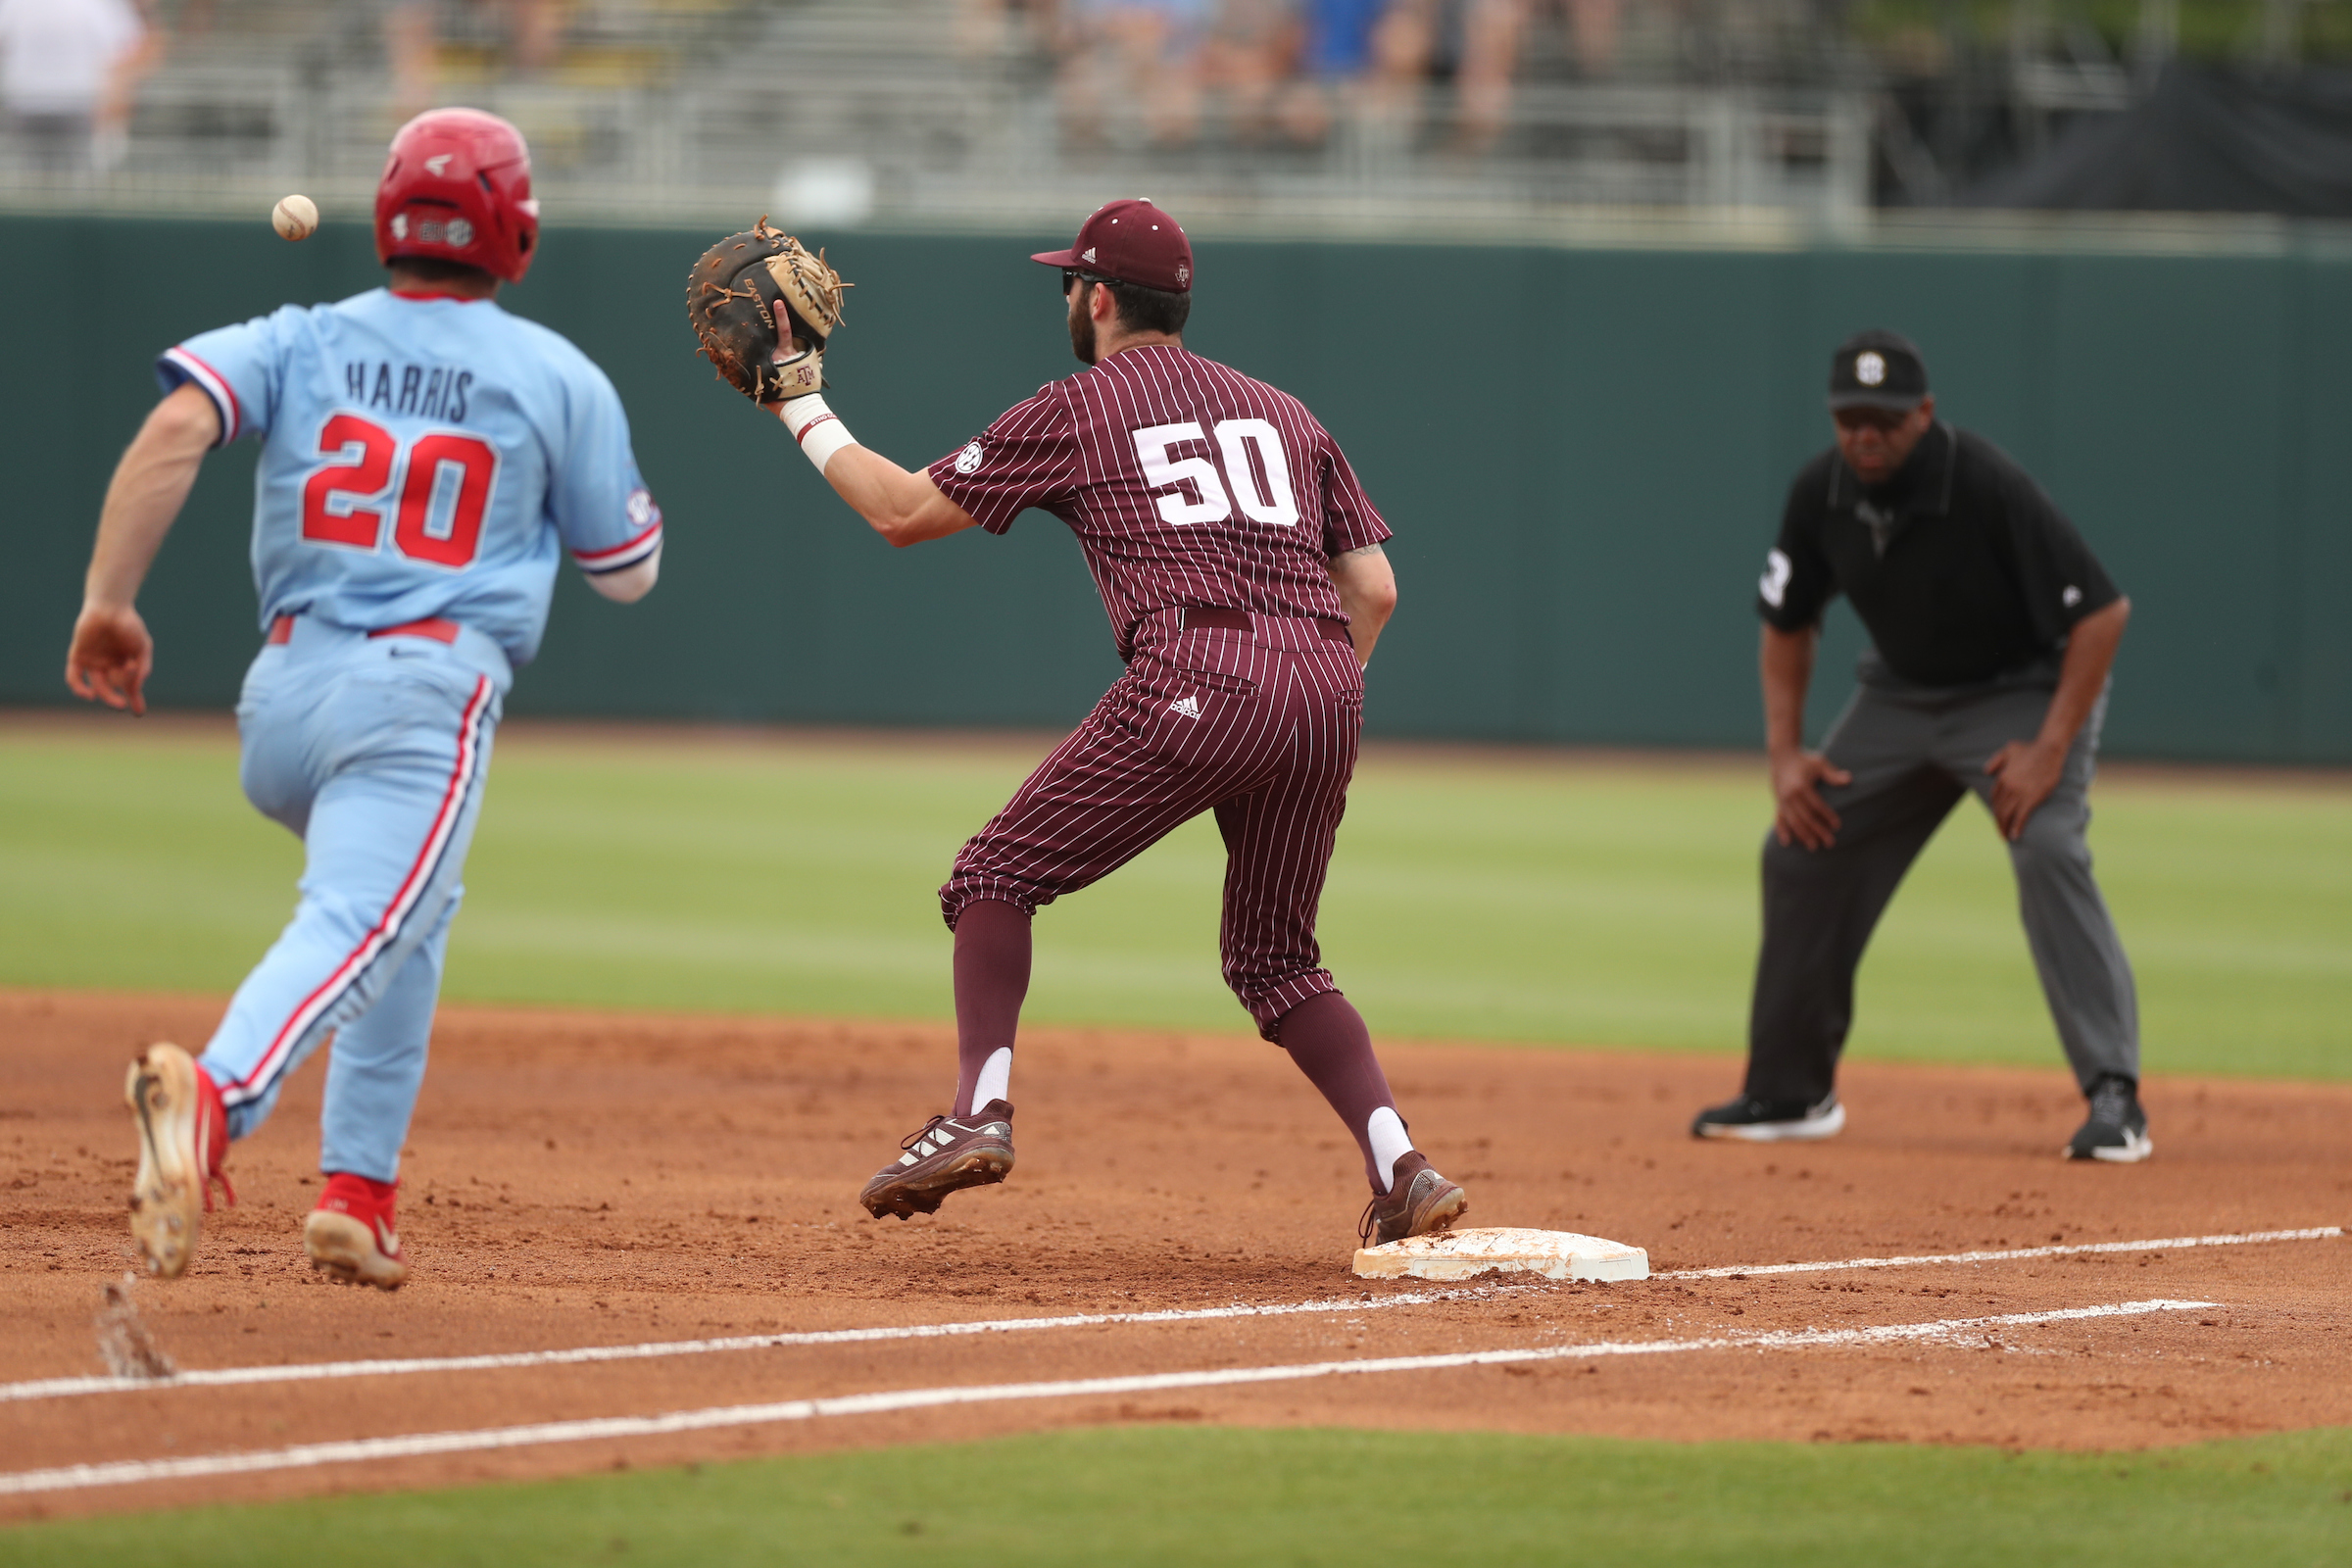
{"points": [[1877, 370]]}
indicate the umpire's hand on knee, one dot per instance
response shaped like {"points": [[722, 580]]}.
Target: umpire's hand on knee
{"points": [[2024, 772], [1799, 815]]}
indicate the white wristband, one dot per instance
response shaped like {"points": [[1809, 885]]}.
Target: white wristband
{"points": [[817, 428]]}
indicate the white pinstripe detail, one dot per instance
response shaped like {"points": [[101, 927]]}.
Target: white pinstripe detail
{"points": [[1278, 758], [1069, 451]]}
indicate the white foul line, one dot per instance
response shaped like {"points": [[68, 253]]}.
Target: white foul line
{"points": [[2167, 1245], [316, 1371], [311, 1371], [125, 1472]]}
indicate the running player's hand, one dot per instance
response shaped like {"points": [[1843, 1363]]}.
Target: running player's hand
{"points": [[2024, 772], [111, 658], [1799, 815]]}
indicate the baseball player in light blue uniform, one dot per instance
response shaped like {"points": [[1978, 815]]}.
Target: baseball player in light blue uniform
{"points": [[426, 459]]}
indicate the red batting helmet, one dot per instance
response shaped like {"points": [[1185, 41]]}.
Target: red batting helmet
{"points": [[457, 188]]}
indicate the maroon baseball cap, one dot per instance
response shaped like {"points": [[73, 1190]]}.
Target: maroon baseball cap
{"points": [[1134, 242]]}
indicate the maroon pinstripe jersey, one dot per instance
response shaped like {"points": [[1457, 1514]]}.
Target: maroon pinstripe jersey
{"points": [[1187, 482]]}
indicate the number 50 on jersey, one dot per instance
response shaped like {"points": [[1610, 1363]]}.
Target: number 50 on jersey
{"points": [[1262, 487]]}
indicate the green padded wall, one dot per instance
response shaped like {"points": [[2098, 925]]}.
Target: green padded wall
{"points": [[1583, 459]]}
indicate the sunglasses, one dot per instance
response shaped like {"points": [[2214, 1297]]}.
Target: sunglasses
{"points": [[1871, 419], [1071, 275]]}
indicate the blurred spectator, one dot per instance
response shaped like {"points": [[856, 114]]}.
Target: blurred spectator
{"points": [[1493, 32], [534, 28], [69, 70], [1139, 56], [1294, 68], [1370, 56], [991, 27], [1251, 51]]}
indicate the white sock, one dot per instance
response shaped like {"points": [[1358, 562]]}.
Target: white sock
{"points": [[1391, 1143], [995, 1081]]}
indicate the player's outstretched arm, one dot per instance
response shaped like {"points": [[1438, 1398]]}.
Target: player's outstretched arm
{"points": [[903, 508], [1368, 586], [112, 653], [765, 309]]}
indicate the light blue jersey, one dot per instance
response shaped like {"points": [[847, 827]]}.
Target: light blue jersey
{"points": [[421, 458], [426, 462]]}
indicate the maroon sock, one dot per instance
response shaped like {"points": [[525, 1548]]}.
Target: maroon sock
{"points": [[1326, 1037], [992, 977]]}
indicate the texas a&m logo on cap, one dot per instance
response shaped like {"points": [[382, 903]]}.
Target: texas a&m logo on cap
{"points": [[1129, 242]]}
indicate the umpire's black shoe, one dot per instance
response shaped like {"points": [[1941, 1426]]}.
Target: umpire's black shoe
{"points": [[2117, 1129], [1771, 1121], [946, 1157]]}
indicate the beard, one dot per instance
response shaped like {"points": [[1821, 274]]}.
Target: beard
{"points": [[1082, 324]]}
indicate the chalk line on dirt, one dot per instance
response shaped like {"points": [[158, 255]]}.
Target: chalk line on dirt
{"points": [[2168, 1244], [316, 1371], [310, 1371], [126, 1472]]}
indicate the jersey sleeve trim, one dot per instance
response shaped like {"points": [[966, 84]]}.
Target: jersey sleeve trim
{"points": [[214, 386], [619, 558]]}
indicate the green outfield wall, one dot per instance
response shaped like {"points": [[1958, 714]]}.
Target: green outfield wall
{"points": [[1582, 452]]}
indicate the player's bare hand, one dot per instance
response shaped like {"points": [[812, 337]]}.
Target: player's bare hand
{"points": [[111, 658], [2023, 773], [1799, 815]]}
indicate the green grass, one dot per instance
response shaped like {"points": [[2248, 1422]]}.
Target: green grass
{"points": [[1139, 1495], [1523, 901]]}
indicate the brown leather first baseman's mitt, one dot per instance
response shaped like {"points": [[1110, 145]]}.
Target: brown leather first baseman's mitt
{"points": [[763, 308]]}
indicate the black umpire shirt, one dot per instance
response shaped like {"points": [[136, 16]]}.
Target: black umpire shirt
{"points": [[1960, 567]]}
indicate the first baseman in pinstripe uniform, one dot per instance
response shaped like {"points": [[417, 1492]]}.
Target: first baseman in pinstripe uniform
{"points": [[1242, 567]]}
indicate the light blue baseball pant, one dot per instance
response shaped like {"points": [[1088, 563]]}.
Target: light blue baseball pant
{"points": [[374, 751]]}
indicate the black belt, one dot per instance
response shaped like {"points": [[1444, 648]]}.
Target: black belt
{"points": [[1198, 615]]}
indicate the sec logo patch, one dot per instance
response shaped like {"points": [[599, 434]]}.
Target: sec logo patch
{"points": [[643, 514], [968, 460]]}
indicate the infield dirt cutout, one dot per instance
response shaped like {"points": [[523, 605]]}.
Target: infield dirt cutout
{"points": [[581, 1179]]}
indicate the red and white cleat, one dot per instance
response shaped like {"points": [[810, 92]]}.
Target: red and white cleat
{"points": [[350, 1235], [183, 1136]]}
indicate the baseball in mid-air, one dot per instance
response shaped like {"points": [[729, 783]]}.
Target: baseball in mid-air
{"points": [[295, 218]]}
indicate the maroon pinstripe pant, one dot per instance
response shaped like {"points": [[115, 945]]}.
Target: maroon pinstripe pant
{"points": [[1259, 726]]}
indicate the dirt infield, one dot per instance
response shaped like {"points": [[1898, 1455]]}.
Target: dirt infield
{"points": [[596, 1180]]}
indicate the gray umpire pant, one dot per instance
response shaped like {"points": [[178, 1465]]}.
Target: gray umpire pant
{"points": [[1913, 751]]}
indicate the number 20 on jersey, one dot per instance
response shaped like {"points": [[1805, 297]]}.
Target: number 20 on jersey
{"points": [[444, 491]]}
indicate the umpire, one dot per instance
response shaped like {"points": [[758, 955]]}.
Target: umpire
{"points": [[1992, 628]]}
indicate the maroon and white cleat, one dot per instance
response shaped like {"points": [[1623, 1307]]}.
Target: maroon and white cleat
{"points": [[946, 1157], [1418, 1202]]}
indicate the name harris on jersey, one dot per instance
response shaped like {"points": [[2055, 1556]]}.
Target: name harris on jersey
{"points": [[434, 392]]}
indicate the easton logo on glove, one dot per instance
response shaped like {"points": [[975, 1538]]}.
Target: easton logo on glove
{"points": [[765, 309]]}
